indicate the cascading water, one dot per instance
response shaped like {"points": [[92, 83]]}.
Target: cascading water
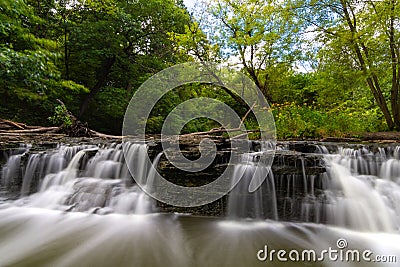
{"points": [[78, 206], [242, 202], [82, 178], [360, 198], [359, 189]]}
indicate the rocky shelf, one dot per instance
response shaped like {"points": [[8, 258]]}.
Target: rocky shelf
{"points": [[298, 168]]}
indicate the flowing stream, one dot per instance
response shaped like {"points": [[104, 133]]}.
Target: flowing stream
{"points": [[78, 206]]}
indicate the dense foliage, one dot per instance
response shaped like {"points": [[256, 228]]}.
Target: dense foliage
{"points": [[328, 68]]}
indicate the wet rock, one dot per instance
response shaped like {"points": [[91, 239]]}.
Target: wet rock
{"points": [[91, 193], [298, 169]]}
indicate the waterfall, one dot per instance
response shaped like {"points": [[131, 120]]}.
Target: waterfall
{"points": [[355, 186], [243, 200], [150, 182], [358, 197], [359, 189], [361, 203], [11, 170], [83, 178], [79, 206]]}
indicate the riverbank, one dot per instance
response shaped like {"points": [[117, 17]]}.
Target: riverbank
{"points": [[12, 134]]}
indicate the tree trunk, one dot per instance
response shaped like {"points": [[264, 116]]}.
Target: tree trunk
{"points": [[104, 72], [66, 54], [395, 68], [236, 97], [372, 79]]}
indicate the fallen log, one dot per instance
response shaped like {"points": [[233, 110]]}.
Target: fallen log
{"points": [[15, 124], [101, 135], [36, 130]]}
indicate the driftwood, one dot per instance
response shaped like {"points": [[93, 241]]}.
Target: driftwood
{"points": [[36, 130], [101, 135], [221, 130], [79, 129], [12, 124], [75, 129]]}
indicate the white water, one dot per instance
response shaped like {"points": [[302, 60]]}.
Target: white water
{"points": [[93, 179], [357, 197], [361, 192], [254, 193], [41, 237]]}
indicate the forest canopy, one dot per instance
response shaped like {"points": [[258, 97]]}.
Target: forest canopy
{"points": [[327, 68]]}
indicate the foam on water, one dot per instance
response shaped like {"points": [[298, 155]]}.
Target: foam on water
{"points": [[92, 179], [78, 207]]}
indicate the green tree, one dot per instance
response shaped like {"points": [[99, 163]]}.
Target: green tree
{"points": [[118, 43], [366, 34], [29, 78], [261, 34]]}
